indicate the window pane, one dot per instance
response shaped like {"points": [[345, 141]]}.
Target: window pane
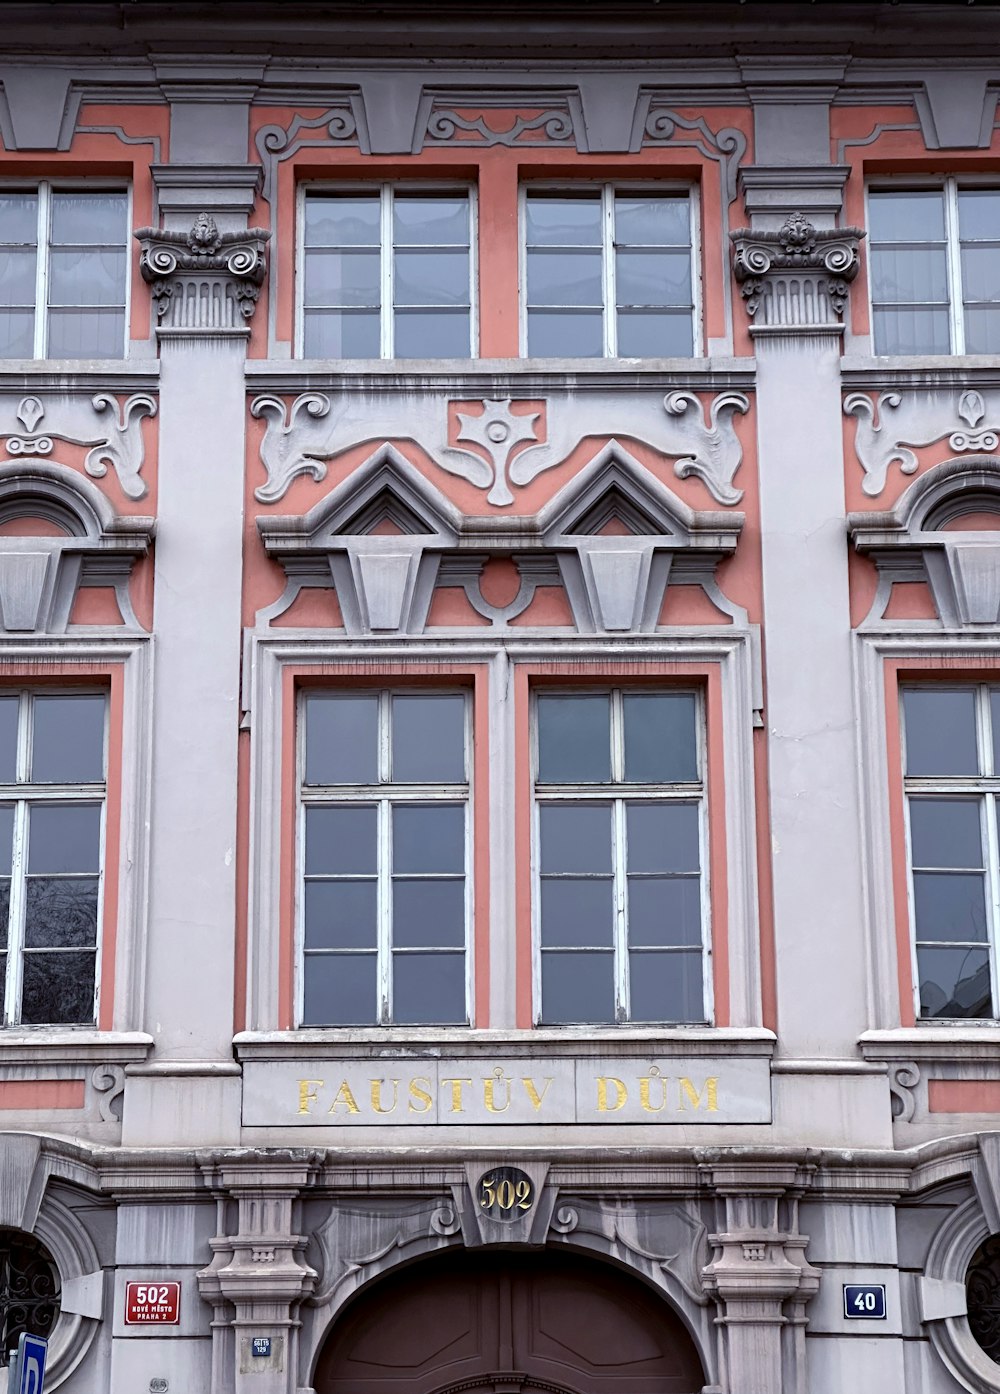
{"points": [[17, 332], [940, 731], [60, 912], [575, 838], [430, 222], [342, 278], [906, 215], [87, 277], [68, 741], [428, 989], [341, 841], [666, 987], [978, 213], [341, 740], [431, 278], [945, 832], [662, 837], [340, 914], [653, 278], [657, 334], [664, 910], [17, 277], [660, 741], [86, 333], [577, 912], [566, 334], [332, 334], [652, 221], [343, 222], [578, 987], [89, 218], [428, 739], [954, 982], [574, 739], [913, 275], [339, 990], [982, 329], [6, 837], [565, 278], [981, 272], [949, 907], [63, 837], [4, 912], [9, 707], [58, 989], [428, 838], [564, 222], [18, 217], [911, 331], [428, 914], [432, 334]]}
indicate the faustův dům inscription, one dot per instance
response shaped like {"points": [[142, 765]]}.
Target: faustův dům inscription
{"points": [[350, 1093]]}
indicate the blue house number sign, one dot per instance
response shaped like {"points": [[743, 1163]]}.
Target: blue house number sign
{"points": [[866, 1301], [261, 1345]]}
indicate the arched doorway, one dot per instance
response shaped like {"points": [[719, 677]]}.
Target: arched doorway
{"points": [[509, 1323]]}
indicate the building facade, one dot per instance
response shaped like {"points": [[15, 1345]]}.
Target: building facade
{"points": [[606, 1001]]}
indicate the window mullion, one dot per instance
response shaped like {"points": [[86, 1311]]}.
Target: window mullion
{"points": [[15, 926], [993, 873], [42, 271], [608, 279], [388, 323], [384, 911], [954, 258], [622, 994]]}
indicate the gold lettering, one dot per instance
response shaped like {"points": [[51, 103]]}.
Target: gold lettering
{"points": [[537, 1099], [489, 1086], [307, 1093], [457, 1103], [621, 1094], [644, 1090], [687, 1090], [376, 1087], [418, 1090], [345, 1097]]}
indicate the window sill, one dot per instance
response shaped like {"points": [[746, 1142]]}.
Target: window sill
{"points": [[919, 370], [57, 1045], [63, 374], [933, 1042], [333, 1043]]}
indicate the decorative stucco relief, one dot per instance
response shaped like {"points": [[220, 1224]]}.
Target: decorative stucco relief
{"points": [[891, 428], [447, 126], [111, 429], [727, 146], [337, 125], [359, 1238], [903, 1081], [108, 1082], [203, 279], [299, 438], [798, 276]]}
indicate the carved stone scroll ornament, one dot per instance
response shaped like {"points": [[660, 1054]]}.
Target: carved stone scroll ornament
{"points": [[497, 447], [890, 427], [203, 279], [112, 430], [108, 1081], [361, 1239], [903, 1081], [798, 277]]}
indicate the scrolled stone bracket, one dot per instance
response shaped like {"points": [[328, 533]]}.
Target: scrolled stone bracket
{"points": [[798, 278], [203, 280]]}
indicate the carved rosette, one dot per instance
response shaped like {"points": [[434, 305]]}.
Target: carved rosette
{"points": [[798, 278], [203, 279]]}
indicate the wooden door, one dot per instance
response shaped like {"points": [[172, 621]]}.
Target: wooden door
{"points": [[503, 1323]]}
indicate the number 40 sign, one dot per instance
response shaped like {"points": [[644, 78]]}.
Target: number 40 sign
{"points": [[865, 1300]]}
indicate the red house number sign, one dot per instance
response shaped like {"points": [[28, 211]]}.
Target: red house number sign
{"points": [[152, 1304]]}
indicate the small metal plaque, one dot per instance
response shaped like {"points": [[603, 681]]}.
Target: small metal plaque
{"points": [[864, 1301], [261, 1345], [505, 1194]]}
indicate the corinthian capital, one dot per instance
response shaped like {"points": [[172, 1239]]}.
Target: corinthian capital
{"points": [[203, 279], [798, 277]]}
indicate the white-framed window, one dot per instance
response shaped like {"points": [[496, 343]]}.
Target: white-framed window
{"points": [[951, 772], [52, 800], [385, 857], [387, 272], [934, 268], [64, 271], [620, 851], [609, 272]]}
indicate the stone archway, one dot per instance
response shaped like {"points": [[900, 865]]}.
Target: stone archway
{"points": [[518, 1322]]}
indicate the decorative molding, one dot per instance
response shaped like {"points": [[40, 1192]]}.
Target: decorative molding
{"points": [[115, 441], [511, 448], [879, 129], [360, 1238], [798, 276], [342, 123], [889, 428], [903, 1081], [109, 1083], [203, 280], [152, 141]]}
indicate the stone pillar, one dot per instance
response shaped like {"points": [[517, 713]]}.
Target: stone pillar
{"points": [[258, 1277]]}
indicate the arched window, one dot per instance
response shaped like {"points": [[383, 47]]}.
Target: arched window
{"points": [[982, 1285], [29, 1289]]}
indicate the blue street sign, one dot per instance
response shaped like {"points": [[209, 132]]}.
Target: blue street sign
{"points": [[27, 1371], [261, 1345], [865, 1300]]}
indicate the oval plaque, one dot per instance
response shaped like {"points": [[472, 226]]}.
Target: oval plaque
{"points": [[505, 1193]]}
